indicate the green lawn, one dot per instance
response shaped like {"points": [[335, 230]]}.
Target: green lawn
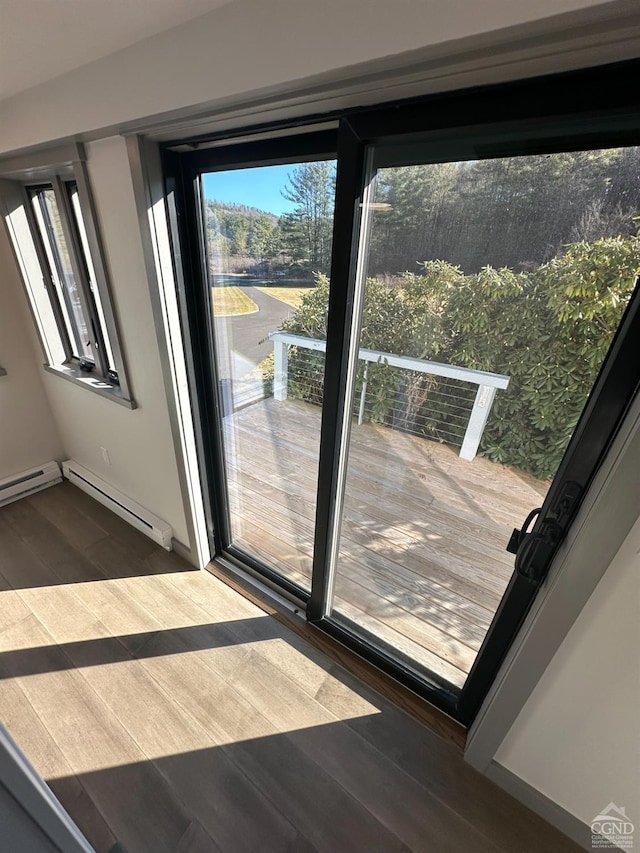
{"points": [[231, 301], [290, 295]]}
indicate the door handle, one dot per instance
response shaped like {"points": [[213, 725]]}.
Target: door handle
{"points": [[518, 535], [534, 550]]}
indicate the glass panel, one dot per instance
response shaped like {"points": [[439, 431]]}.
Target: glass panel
{"points": [[55, 245], [493, 290], [268, 239], [72, 189]]}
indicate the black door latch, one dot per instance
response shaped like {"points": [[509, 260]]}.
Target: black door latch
{"points": [[534, 551], [517, 537]]}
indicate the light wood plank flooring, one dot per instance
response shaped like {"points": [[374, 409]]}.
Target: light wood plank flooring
{"points": [[172, 715], [422, 563]]}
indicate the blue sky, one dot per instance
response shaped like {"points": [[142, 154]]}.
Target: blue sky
{"points": [[259, 187]]}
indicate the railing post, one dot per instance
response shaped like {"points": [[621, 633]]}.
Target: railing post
{"points": [[363, 393], [280, 369], [478, 420]]}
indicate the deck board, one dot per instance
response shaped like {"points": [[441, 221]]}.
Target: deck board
{"points": [[422, 563]]}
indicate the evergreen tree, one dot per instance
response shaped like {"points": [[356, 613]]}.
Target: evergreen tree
{"points": [[307, 231]]}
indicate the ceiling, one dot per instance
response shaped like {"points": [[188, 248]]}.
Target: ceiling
{"points": [[41, 39]]}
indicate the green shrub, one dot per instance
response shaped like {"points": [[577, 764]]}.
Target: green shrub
{"points": [[548, 330]]}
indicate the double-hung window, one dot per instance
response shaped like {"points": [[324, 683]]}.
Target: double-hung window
{"points": [[50, 219]]}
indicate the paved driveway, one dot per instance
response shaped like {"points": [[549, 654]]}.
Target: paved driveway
{"points": [[246, 337]]}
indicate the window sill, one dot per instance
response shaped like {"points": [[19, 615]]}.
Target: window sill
{"points": [[93, 383]]}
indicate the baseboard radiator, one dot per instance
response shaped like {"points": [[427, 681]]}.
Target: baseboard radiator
{"points": [[139, 517], [28, 482]]}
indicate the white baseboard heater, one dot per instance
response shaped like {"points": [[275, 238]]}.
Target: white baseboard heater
{"points": [[27, 482], [139, 517]]}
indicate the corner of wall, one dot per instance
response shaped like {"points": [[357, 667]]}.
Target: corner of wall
{"points": [[29, 432]]}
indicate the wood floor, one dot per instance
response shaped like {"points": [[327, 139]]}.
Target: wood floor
{"points": [[422, 563], [170, 714]]}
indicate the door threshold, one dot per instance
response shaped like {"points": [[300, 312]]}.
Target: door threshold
{"points": [[293, 617]]}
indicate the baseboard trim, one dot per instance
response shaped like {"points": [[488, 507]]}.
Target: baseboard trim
{"points": [[542, 805]]}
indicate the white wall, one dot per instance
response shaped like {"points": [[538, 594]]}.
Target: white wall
{"points": [[28, 433], [576, 739], [139, 442], [245, 46]]}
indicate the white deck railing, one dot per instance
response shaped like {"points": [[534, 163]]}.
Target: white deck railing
{"points": [[488, 383]]}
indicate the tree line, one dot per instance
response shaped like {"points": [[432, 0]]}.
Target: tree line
{"points": [[445, 211], [299, 241], [515, 212]]}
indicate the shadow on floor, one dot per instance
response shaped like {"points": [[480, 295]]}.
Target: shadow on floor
{"points": [[322, 788], [18, 663]]}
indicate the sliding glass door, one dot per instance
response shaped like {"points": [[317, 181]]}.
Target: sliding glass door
{"points": [[413, 344], [267, 234], [488, 294]]}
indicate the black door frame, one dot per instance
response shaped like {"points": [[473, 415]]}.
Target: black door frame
{"points": [[183, 187], [594, 108]]}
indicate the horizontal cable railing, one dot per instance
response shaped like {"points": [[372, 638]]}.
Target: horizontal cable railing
{"points": [[438, 408], [464, 397]]}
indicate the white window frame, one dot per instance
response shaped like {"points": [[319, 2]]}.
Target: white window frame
{"points": [[102, 369]]}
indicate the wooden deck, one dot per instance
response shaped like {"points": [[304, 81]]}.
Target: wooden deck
{"points": [[422, 564]]}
